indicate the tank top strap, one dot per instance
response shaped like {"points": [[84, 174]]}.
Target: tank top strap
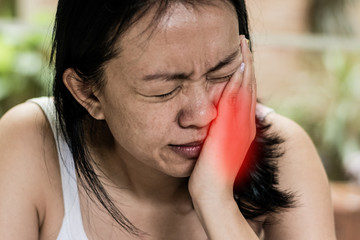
{"points": [[262, 111], [72, 226]]}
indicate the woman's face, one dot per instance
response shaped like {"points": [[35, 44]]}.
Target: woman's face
{"points": [[162, 90]]}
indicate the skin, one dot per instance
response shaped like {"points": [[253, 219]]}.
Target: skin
{"points": [[140, 170]]}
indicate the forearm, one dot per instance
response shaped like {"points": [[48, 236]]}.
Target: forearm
{"points": [[223, 220]]}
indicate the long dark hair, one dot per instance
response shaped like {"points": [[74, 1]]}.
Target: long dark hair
{"points": [[84, 38]]}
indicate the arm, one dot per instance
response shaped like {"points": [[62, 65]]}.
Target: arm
{"points": [[301, 171], [223, 220], [20, 183], [230, 135]]}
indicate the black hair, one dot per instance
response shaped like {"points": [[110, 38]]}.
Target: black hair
{"points": [[84, 38]]}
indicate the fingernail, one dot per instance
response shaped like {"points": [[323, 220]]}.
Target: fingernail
{"points": [[248, 42], [242, 67]]}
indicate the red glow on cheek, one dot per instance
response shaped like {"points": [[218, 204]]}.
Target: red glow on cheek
{"points": [[233, 132]]}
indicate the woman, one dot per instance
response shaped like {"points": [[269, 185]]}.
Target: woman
{"points": [[157, 115]]}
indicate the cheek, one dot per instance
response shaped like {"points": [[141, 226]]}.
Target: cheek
{"points": [[151, 126], [142, 124]]}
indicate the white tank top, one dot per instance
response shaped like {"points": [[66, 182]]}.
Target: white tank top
{"points": [[72, 227]]}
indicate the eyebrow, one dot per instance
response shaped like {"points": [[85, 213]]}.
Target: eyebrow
{"points": [[167, 76], [226, 61], [183, 76]]}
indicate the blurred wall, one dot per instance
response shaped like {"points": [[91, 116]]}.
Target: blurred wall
{"points": [[277, 67], [28, 9]]}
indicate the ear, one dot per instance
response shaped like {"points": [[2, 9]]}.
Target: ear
{"points": [[84, 94]]}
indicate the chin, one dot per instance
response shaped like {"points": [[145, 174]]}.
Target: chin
{"points": [[183, 171], [176, 166]]}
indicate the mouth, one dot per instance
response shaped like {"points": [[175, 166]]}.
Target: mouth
{"points": [[189, 150]]}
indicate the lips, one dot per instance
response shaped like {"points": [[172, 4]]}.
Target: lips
{"points": [[189, 150]]}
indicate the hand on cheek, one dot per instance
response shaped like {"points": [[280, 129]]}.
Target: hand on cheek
{"points": [[229, 137]]}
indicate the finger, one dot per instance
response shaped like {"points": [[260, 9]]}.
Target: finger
{"points": [[247, 83], [231, 91], [248, 86], [228, 107], [234, 83]]}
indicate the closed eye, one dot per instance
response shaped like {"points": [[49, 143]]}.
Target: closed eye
{"points": [[166, 94], [222, 79]]}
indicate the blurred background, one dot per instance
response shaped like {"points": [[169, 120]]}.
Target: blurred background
{"points": [[307, 57]]}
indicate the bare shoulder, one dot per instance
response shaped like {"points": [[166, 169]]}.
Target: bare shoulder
{"points": [[301, 172], [286, 127], [29, 174], [300, 156]]}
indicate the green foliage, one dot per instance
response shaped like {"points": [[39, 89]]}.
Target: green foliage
{"points": [[24, 69], [7, 8], [329, 110], [341, 129]]}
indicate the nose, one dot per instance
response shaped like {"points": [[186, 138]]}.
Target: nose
{"points": [[198, 110]]}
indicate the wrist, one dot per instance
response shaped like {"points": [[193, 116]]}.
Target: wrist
{"points": [[210, 192], [222, 219], [209, 208], [211, 202]]}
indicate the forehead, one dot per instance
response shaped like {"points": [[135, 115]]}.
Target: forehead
{"points": [[175, 17], [204, 33]]}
